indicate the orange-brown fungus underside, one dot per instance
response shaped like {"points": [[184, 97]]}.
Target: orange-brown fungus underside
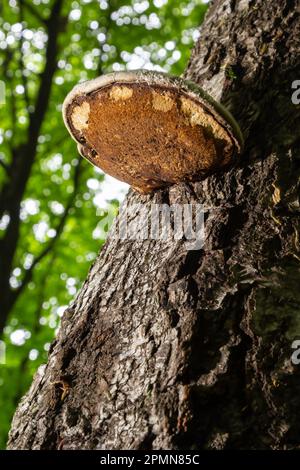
{"points": [[148, 136]]}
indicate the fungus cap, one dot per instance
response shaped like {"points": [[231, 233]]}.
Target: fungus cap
{"points": [[150, 129]]}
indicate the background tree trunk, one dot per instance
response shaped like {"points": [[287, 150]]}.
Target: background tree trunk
{"points": [[169, 348]]}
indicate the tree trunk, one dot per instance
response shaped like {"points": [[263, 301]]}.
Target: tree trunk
{"points": [[166, 348]]}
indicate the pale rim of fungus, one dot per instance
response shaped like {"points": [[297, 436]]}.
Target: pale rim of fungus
{"points": [[194, 92]]}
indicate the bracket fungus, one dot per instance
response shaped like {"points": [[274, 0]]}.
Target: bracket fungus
{"points": [[150, 129]]}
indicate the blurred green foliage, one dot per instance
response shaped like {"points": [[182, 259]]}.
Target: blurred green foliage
{"points": [[63, 201]]}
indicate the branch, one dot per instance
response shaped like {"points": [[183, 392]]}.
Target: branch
{"points": [[9, 54], [21, 59], [5, 166], [59, 228], [43, 94], [33, 11], [13, 119]]}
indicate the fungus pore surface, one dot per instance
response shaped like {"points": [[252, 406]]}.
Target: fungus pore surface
{"points": [[149, 135]]}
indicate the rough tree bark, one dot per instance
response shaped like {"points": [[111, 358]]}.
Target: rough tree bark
{"points": [[169, 348]]}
